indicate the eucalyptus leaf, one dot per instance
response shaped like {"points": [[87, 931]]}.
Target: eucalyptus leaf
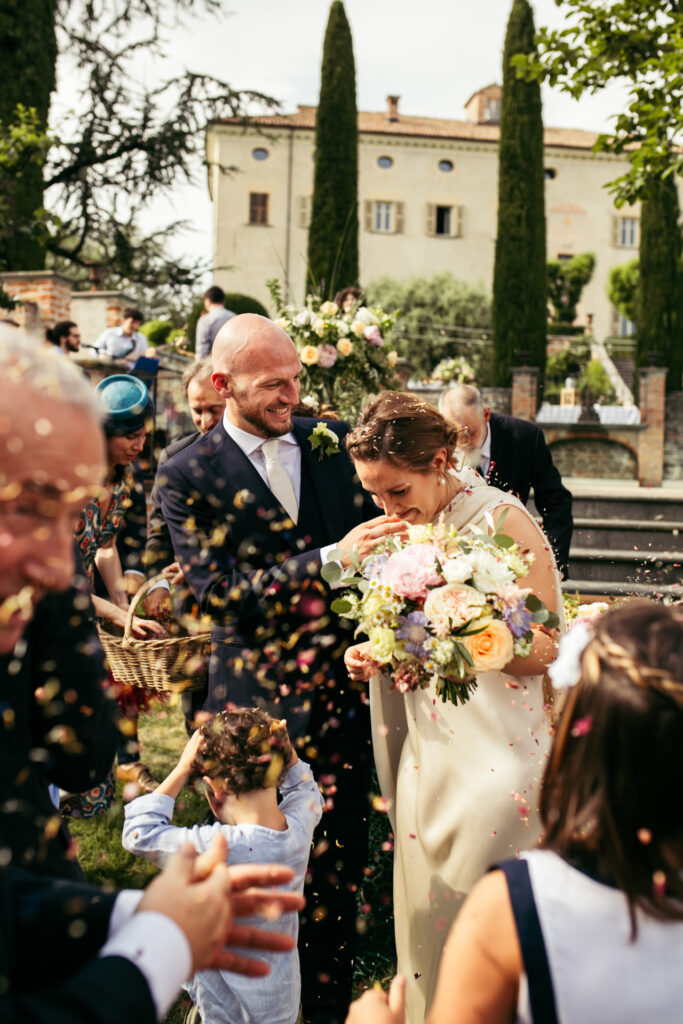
{"points": [[331, 572]]}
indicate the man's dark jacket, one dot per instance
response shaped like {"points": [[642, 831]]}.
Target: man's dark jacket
{"points": [[521, 461]]}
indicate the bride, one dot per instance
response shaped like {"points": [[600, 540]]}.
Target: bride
{"points": [[461, 782]]}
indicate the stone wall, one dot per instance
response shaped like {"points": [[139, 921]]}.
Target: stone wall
{"points": [[673, 437], [595, 458]]}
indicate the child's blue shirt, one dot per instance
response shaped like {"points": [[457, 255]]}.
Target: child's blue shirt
{"points": [[222, 996]]}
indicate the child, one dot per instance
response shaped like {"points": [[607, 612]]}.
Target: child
{"points": [[589, 928], [243, 756]]}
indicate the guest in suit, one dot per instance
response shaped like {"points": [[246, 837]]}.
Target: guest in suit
{"points": [[254, 508], [51, 461], [512, 455]]}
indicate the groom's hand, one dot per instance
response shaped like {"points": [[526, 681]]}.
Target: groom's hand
{"points": [[364, 537]]}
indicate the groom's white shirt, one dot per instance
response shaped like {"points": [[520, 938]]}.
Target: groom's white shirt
{"points": [[290, 459]]}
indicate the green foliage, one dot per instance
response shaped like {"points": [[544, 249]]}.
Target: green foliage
{"points": [[638, 45], [440, 317], [622, 288], [519, 277], [566, 281], [576, 362], [239, 303], [333, 232], [29, 52], [157, 331], [660, 291]]}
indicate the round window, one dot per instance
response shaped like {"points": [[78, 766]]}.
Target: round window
{"points": [[385, 162], [445, 165], [260, 153]]}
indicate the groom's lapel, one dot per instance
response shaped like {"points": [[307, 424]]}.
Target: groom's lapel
{"points": [[323, 475], [234, 472]]}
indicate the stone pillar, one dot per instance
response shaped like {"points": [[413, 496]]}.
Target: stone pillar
{"points": [[652, 395], [44, 297], [95, 311], [524, 402]]}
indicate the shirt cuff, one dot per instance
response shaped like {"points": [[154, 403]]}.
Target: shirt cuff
{"points": [[157, 946], [163, 584], [125, 905]]}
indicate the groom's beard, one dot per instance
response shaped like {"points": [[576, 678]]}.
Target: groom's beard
{"points": [[470, 455]]}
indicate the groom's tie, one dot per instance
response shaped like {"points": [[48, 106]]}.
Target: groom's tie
{"points": [[278, 480]]}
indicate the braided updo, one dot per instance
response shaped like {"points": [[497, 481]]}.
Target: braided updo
{"points": [[402, 429]]}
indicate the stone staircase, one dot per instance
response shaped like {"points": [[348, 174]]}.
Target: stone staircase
{"points": [[627, 541]]}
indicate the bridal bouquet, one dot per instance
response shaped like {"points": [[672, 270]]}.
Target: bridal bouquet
{"points": [[442, 606]]}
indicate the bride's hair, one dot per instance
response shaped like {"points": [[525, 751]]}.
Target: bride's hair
{"points": [[402, 429]]}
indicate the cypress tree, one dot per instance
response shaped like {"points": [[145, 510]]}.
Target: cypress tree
{"points": [[659, 315], [29, 53], [333, 233], [519, 278]]}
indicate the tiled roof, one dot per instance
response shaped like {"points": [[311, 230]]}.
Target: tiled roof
{"points": [[376, 123]]}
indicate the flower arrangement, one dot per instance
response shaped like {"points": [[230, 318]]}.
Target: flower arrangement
{"points": [[344, 353], [442, 606], [453, 370], [324, 441]]}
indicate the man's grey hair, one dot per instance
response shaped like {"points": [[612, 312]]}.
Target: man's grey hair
{"points": [[46, 370], [199, 371], [461, 397]]}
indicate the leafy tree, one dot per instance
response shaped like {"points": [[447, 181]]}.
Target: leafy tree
{"points": [[519, 277], [659, 316], [622, 288], [125, 144], [333, 232], [440, 317], [639, 45], [566, 281], [29, 52]]}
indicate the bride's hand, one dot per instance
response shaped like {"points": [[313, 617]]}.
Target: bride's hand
{"points": [[358, 663], [377, 1007]]}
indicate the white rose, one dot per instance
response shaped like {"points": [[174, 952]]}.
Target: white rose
{"points": [[488, 574], [457, 570], [329, 309], [367, 317]]}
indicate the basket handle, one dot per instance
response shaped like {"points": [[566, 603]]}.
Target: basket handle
{"points": [[139, 594]]}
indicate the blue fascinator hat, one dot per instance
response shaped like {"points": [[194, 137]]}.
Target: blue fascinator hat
{"points": [[128, 404]]}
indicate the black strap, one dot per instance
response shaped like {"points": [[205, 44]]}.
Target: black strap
{"points": [[541, 995]]}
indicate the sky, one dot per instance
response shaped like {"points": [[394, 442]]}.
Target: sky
{"points": [[432, 53]]}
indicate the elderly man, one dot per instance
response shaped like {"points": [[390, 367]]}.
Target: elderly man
{"points": [[512, 454], [51, 462], [254, 509]]}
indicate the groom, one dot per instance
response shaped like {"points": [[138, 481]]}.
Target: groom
{"points": [[253, 509]]}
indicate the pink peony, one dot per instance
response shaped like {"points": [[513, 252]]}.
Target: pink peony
{"points": [[451, 606], [327, 356], [412, 571], [373, 336]]}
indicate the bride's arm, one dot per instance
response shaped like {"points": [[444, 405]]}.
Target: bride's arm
{"points": [[542, 580]]}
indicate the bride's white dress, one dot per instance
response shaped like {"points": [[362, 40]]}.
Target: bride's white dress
{"points": [[462, 784]]}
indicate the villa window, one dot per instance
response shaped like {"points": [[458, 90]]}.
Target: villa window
{"points": [[258, 207], [444, 221], [383, 217], [626, 232]]}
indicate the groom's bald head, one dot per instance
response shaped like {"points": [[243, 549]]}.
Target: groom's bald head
{"points": [[256, 369]]}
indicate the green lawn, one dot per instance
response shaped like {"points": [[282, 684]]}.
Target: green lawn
{"points": [[106, 863]]}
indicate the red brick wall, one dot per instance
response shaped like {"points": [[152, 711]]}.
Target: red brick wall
{"points": [[652, 395], [45, 297], [524, 402]]}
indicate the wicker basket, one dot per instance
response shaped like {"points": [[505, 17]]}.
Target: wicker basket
{"points": [[173, 664]]}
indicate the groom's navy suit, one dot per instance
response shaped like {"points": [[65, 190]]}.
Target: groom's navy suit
{"points": [[276, 643]]}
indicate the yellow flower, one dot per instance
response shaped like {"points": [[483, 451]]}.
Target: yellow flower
{"points": [[283, 322], [382, 644], [492, 648], [344, 347], [358, 328], [309, 355], [329, 309], [392, 359], [320, 327]]}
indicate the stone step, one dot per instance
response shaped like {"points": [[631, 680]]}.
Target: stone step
{"points": [[638, 506], [597, 588], [622, 566], [640, 535]]}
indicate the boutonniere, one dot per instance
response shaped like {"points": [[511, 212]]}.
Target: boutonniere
{"points": [[324, 441]]}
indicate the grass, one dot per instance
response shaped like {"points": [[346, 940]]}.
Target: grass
{"points": [[106, 863]]}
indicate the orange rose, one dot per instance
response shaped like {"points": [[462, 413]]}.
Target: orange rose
{"points": [[491, 649]]}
